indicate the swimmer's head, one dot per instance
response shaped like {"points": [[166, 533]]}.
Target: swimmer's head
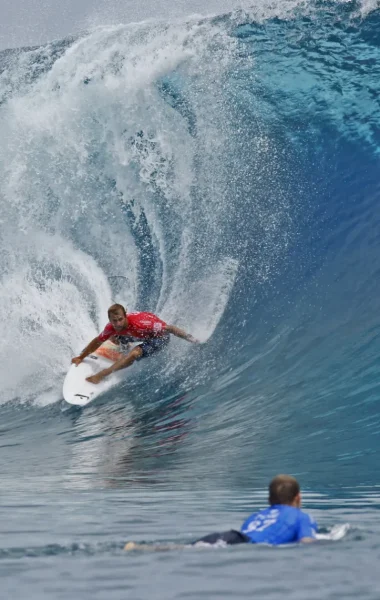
{"points": [[284, 489]]}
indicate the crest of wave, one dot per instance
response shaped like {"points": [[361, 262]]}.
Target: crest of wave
{"points": [[90, 146]]}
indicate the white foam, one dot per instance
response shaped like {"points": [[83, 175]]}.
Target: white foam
{"points": [[72, 157]]}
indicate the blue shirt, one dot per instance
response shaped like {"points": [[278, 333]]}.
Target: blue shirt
{"points": [[279, 524]]}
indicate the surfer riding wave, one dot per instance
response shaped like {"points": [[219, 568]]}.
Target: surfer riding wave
{"points": [[125, 328]]}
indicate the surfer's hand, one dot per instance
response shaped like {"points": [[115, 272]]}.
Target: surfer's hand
{"points": [[76, 360]]}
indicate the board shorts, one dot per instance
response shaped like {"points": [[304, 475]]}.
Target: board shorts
{"points": [[149, 346], [153, 345], [229, 538]]}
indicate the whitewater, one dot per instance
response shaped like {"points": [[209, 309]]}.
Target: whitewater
{"points": [[222, 172]]}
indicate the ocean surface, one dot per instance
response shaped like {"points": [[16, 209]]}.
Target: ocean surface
{"points": [[223, 173]]}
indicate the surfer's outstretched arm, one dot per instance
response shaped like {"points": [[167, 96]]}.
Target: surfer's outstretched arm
{"points": [[181, 334], [89, 349]]}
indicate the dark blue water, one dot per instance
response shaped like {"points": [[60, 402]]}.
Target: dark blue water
{"points": [[222, 173]]}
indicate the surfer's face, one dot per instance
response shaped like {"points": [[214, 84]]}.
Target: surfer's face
{"points": [[118, 321]]}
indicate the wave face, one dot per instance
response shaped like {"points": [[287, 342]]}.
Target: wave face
{"points": [[222, 173]]}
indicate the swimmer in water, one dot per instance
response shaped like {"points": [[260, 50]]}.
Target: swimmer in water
{"points": [[282, 522]]}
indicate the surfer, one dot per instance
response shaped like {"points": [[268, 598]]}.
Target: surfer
{"points": [[132, 327], [283, 522]]}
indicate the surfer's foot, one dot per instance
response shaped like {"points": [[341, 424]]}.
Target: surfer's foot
{"points": [[95, 378], [131, 546], [136, 546]]}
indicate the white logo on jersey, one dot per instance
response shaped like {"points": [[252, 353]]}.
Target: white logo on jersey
{"points": [[261, 522]]}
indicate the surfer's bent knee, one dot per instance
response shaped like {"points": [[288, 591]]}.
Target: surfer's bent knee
{"points": [[135, 354]]}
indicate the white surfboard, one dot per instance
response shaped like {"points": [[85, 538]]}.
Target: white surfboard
{"points": [[78, 391]]}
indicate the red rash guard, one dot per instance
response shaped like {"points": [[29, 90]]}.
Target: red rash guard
{"points": [[141, 325]]}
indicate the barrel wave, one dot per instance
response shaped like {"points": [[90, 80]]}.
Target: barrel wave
{"points": [[222, 173]]}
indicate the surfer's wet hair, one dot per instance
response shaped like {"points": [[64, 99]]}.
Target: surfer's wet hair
{"points": [[116, 308], [283, 489]]}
